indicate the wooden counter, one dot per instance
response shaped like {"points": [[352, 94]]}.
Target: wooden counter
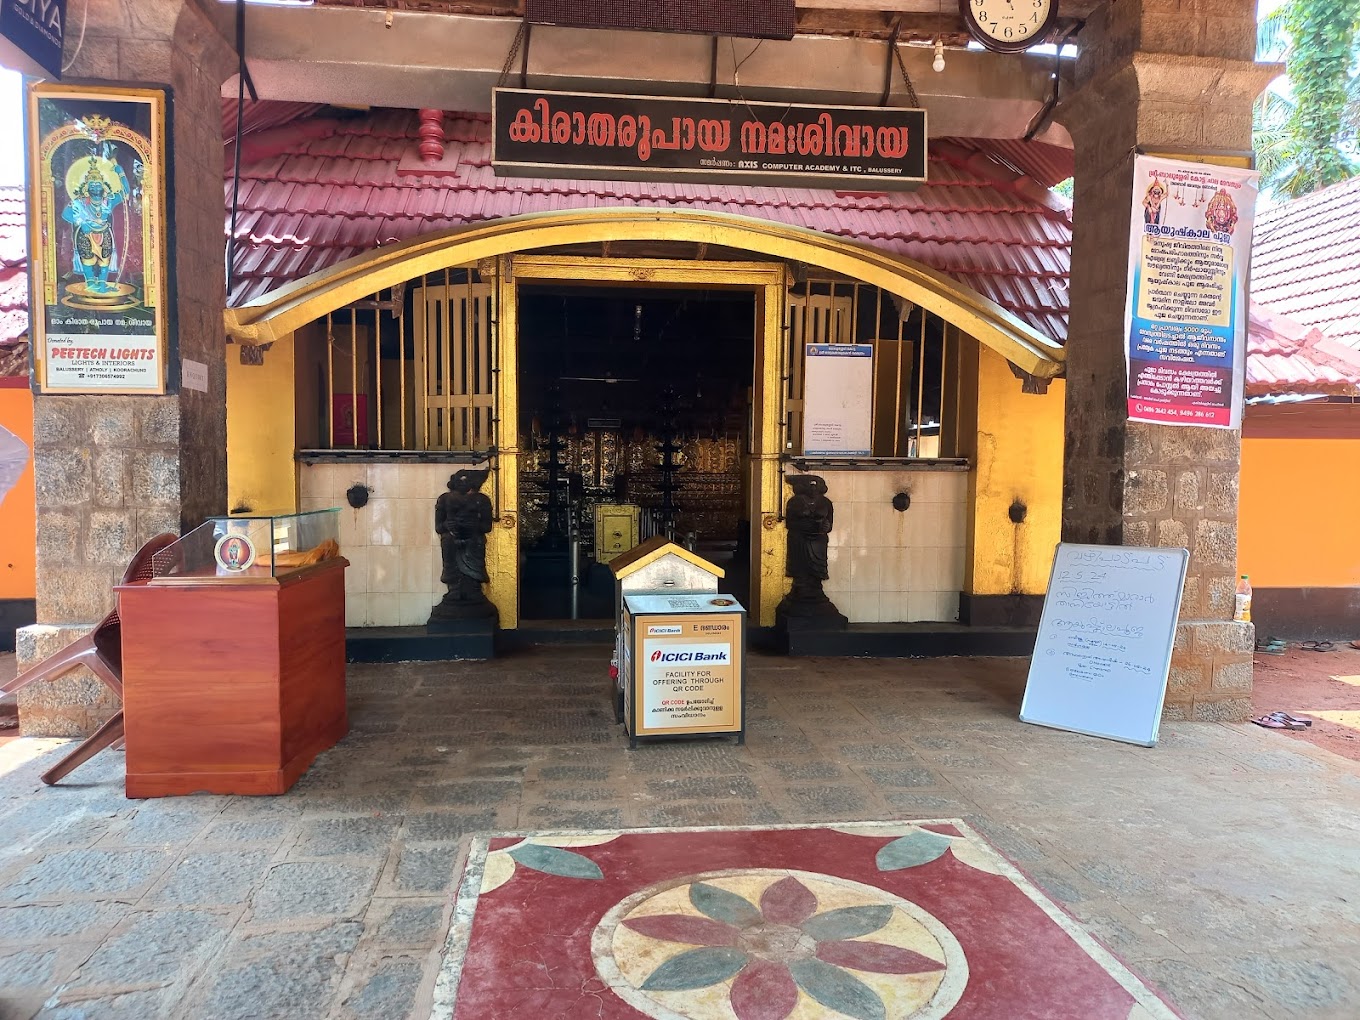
{"points": [[232, 688]]}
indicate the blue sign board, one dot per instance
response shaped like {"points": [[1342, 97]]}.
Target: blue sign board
{"points": [[36, 28]]}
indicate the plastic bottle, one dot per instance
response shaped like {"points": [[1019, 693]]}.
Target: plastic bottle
{"points": [[1242, 601]]}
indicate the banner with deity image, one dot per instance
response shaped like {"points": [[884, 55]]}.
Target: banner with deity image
{"points": [[97, 188], [1186, 320]]}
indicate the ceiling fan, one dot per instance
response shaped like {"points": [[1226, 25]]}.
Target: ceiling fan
{"points": [[606, 378]]}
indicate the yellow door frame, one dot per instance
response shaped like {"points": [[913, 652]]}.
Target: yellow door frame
{"points": [[768, 281]]}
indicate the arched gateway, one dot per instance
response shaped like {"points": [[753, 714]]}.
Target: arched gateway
{"points": [[565, 349]]}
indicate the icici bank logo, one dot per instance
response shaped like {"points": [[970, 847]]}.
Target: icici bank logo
{"points": [[704, 653]]}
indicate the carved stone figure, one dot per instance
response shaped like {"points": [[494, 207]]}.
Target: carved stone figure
{"points": [[462, 519], [808, 517]]}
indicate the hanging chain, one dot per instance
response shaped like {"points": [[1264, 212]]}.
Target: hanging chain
{"points": [[906, 78], [514, 51]]}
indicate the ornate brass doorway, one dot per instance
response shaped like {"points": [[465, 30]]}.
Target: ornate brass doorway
{"points": [[765, 283]]}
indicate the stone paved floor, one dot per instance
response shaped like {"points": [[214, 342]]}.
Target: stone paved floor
{"points": [[1224, 865]]}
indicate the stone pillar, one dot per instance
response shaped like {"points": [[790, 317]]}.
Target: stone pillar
{"points": [[111, 472], [1171, 77]]}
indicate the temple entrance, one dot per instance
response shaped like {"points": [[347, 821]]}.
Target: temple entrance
{"points": [[635, 411]]}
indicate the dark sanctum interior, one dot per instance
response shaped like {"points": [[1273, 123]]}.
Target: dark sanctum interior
{"points": [[635, 408]]}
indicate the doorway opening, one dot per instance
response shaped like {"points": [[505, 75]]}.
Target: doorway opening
{"points": [[635, 417]]}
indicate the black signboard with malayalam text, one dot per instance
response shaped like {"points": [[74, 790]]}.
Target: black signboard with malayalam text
{"points": [[600, 137]]}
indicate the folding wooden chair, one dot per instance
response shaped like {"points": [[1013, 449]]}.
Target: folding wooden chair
{"points": [[100, 651]]}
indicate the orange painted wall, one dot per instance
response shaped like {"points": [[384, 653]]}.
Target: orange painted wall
{"points": [[18, 523], [1297, 513]]}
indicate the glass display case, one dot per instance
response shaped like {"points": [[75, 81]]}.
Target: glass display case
{"points": [[254, 547]]}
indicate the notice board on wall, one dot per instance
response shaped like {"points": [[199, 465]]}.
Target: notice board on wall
{"points": [[1103, 652], [838, 400]]}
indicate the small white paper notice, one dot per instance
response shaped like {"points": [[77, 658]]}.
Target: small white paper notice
{"points": [[838, 400], [193, 375]]}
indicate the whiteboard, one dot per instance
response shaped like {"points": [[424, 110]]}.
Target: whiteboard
{"points": [[1104, 648], [838, 388]]}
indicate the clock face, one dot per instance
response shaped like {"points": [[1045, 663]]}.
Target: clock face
{"points": [[1009, 25]]}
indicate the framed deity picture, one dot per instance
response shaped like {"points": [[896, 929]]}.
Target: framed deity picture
{"points": [[98, 201]]}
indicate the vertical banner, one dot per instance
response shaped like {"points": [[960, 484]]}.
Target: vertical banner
{"points": [[1186, 321], [97, 187], [838, 404]]}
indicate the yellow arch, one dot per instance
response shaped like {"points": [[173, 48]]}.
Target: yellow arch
{"points": [[279, 313]]}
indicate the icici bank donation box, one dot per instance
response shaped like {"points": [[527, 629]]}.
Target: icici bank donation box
{"points": [[683, 666]]}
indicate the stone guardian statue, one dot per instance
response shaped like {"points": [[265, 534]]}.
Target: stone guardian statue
{"points": [[462, 519], [808, 518]]}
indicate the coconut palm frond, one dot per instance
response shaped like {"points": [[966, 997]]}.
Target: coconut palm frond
{"points": [[1272, 38]]}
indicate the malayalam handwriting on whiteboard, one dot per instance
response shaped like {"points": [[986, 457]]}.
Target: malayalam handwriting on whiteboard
{"points": [[1125, 559], [1106, 627], [1103, 651], [1067, 597]]}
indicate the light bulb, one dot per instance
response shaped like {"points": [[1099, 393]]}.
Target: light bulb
{"points": [[937, 64]]}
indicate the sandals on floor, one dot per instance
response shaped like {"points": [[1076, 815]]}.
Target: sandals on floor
{"points": [[1283, 721], [1287, 718], [1272, 722], [1272, 646], [1317, 646]]}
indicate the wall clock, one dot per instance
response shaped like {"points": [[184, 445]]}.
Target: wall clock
{"points": [[1009, 26]]}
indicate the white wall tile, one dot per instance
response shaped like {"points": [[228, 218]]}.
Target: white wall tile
{"points": [[958, 565], [417, 568], [929, 531], [920, 606], [893, 606], [381, 518], [953, 523], [866, 569], [384, 480], [931, 568], [901, 528], [384, 610], [863, 486], [840, 486], [949, 606], [311, 481], [838, 559], [840, 534], [413, 522], [863, 607], [344, 477], [930, 490], [356, 574], [414, 608], [353, 528], [426, 481], [855, 523], [954, 486], [897, 566], [384, 569], [356, 610]]}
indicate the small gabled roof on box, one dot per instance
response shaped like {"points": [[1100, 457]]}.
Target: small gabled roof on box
{"points": [[656, 548]]}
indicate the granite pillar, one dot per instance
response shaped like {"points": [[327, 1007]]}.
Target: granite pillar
{"points": [[1175, 78], [111, 471]]}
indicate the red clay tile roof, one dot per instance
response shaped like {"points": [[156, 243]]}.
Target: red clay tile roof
{"points": [[1305, 261], [13, 282], [319, 189], [1284, 356]]}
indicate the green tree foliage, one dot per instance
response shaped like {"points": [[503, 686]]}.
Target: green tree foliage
{"points": [[1306, 140]]}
